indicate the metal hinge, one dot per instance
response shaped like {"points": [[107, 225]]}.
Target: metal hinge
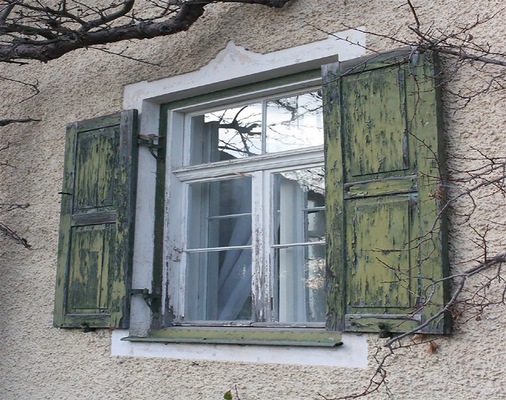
{"points": [[152, 142], [149, 298], [85, 327]]}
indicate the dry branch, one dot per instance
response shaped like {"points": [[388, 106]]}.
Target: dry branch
{"points": [[14, 235], [42, 31], [5, 122]]}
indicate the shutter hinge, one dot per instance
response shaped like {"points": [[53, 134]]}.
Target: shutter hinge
{"points": [[152, 142], [85, 327], [384, 330], [149, 298]]}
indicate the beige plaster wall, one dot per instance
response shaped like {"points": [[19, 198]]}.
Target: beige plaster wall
{"points": [[38, 361]]}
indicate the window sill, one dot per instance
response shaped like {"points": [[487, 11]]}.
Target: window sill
{"points": [[243, 336]]}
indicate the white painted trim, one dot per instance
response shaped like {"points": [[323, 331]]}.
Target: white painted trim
{"points": [[233, 66], [289, 159], [352, 354]]}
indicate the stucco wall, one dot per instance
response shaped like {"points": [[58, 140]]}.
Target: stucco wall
{"points": [[38, 361]]}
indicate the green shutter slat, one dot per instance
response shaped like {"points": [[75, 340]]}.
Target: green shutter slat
{"points": [[386, 237], [97, 223]]}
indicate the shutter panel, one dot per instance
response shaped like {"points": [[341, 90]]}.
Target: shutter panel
{"points": [[96, 223], [386, 240]]}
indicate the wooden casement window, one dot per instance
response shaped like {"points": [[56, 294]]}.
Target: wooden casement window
{"points": [[276, 233]]}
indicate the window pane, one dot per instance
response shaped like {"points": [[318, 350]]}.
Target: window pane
{"points": [[226, 134], [294, 122], [219, 213], [299, 220], [299, 198], [300, 284], [218, 286], [218, 283]]}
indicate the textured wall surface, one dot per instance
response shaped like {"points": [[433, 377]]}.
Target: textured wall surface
{"points": [[38, 361]]}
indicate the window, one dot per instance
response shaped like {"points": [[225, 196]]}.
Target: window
{"points": [[251, 237], [243, 187]]}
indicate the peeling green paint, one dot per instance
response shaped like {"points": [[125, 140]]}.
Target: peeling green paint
{"points": [[254, 336], [96, 223], [385, 237]]}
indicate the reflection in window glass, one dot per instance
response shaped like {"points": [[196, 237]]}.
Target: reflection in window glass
{"points": [[294, 122], [273, 125], [299, 234], [226, 134]]}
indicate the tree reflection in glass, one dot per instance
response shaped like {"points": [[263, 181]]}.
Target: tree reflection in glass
{"points": [[273, 125], [294, 122]]}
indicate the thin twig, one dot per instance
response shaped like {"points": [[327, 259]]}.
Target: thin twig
{"points": [[5, 122], [13, 235]]}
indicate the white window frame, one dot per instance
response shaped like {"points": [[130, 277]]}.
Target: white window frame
{"points": [[260, 167], [233, 66]]}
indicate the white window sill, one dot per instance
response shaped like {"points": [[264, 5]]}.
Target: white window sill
{"points": [[352, 353]]}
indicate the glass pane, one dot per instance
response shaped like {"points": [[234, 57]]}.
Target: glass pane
{"points": [[300, 284], [218, 283], [299, 198], [219, 213], [226, 134], [218, 286], [294, 122]]}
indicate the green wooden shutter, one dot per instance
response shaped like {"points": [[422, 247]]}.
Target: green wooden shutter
{"points": [[96, 223], [386, 235]]}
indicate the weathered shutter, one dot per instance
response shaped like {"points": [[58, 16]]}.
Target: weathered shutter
{"points": [[386, 234], [96, 223]]}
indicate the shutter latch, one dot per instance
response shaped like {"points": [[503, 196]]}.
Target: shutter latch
{"points": [[152, 142], [149, 298]]}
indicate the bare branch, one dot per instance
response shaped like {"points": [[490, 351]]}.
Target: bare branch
{"points": [[13, 206], [34, 88], [5, 122], [13, 235], [105, 19], [415, 15], [121, 54], [4, 13], [479, 268], [36, 32]]}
